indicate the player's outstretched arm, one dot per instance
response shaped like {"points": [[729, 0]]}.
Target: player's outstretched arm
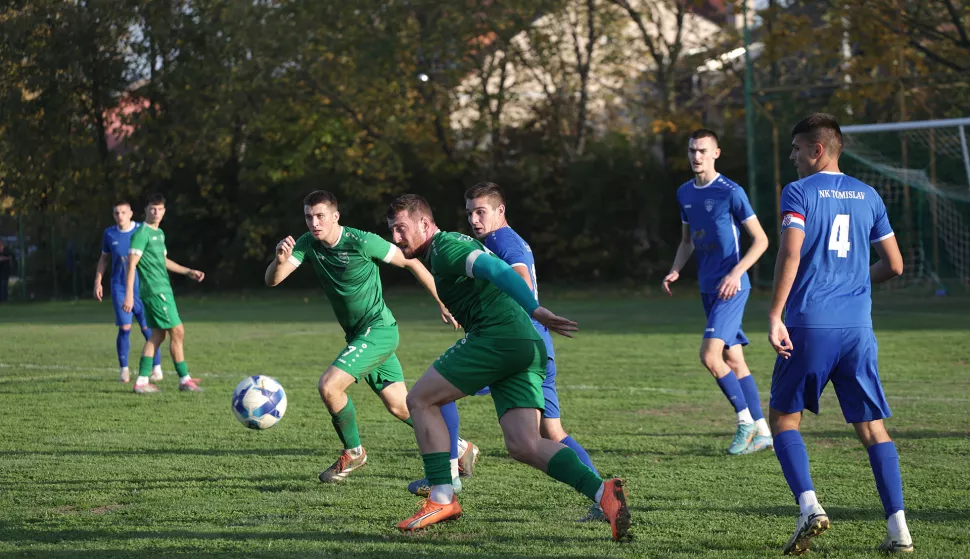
{"points": [[129, 302], [731, 283], [425, 278], [786, 267], [890, 262], [99, 276], [684, 250], [496, 271], [177, 268], [281, 267]]}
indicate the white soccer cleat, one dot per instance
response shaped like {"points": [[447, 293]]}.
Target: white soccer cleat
{"points": [[896, 545], [156, 374], [810, 525]]}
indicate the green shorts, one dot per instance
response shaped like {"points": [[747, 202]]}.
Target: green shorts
{"points": [[513, 368], [160, 310], [370, 355]]}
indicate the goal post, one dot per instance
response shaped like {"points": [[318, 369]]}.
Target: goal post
{"points": [[922, 171]]}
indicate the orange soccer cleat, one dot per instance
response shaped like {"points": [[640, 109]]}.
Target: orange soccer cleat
{"points": [[614, 507], [431, 513]]}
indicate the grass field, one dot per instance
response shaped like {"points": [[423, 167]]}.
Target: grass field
{"points": [[88, 468]]}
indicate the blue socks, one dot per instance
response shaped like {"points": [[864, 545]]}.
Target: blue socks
{"points": [[885, 466], [123, 344], [450, 413], [580, 451], [732, 390], [791, 453], [750, 391]]}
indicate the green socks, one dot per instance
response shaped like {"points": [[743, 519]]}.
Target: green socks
{"points": [[345, 423], [565, 466], [145, 366], [437, 468], [181, 368]]}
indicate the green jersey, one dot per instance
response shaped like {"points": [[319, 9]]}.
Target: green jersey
{"points": [[481, 308], [149, 244], [348, 273]]}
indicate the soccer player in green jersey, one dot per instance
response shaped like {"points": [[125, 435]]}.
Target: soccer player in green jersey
{"points": [[148, 257], [502, 350], [344, 261]]}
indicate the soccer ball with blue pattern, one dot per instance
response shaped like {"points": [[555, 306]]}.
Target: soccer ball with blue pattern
{"points": [[258, 402]]}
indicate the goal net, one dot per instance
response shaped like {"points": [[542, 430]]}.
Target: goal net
{"points": [[922, 171]]}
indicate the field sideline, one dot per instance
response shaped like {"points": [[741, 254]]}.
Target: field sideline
{"points": [[87, 468]]}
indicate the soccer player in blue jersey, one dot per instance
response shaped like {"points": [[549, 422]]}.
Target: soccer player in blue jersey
{"points": [[823, 283], [114, 252], [713, 208], [485, 207]]}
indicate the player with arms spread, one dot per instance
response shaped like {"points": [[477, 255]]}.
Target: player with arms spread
{"points": [[712, 209], [502, 350], [344, 261], [823, 283], [148, 258], [115, 243]]}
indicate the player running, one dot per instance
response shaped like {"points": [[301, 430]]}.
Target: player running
{"points": [[823, 282], [148, 262], [712, 207], [114, 252], [502, 350], [344, 261]]}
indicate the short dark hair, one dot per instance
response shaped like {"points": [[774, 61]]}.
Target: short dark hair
{"points": [[704, 133], [155, 199], [320, 197], [486, 189], [413, 204], [121, 202], [821, 128]]}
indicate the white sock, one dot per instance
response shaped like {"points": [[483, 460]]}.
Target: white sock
{"points": [[157, 369], [124, 370], [443, 494], [462, 447], [744, 416], [599, 494], [763, 430], [185, 379], [806, 501], [141, 381], [897, 528], [454, 468], [356, 451]]}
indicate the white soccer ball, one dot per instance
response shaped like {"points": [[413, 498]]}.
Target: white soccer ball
{"points": [[258, 402]]}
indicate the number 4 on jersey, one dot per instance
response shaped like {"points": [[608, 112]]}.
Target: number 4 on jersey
{"points": [[839, 239]]}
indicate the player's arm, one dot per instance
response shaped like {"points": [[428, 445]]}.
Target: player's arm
{"points": [[731, 283], [176, 268], [285, 262], [480, 265], [133, 257], [99, 275], [890, 262], [786, 267], [396, 258], [684, 251]]}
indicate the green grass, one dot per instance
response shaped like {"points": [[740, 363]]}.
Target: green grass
{"points": [[88, 468]]}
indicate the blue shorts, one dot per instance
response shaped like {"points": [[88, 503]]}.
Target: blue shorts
{"points": [[549, 392], [121, 317], [724, 317], [846, 356]]}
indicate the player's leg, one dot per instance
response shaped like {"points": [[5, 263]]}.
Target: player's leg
{"points": [[333, 387], [723, 325], [425, 400], [138, 311], [123, 339], [863, 402], [734, 357], [796, 385], [142, 384], [176, 346]]}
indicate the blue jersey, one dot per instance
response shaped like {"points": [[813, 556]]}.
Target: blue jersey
{"points": [[840, 216], [715, 212], [510, 247], [116, 243]]}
